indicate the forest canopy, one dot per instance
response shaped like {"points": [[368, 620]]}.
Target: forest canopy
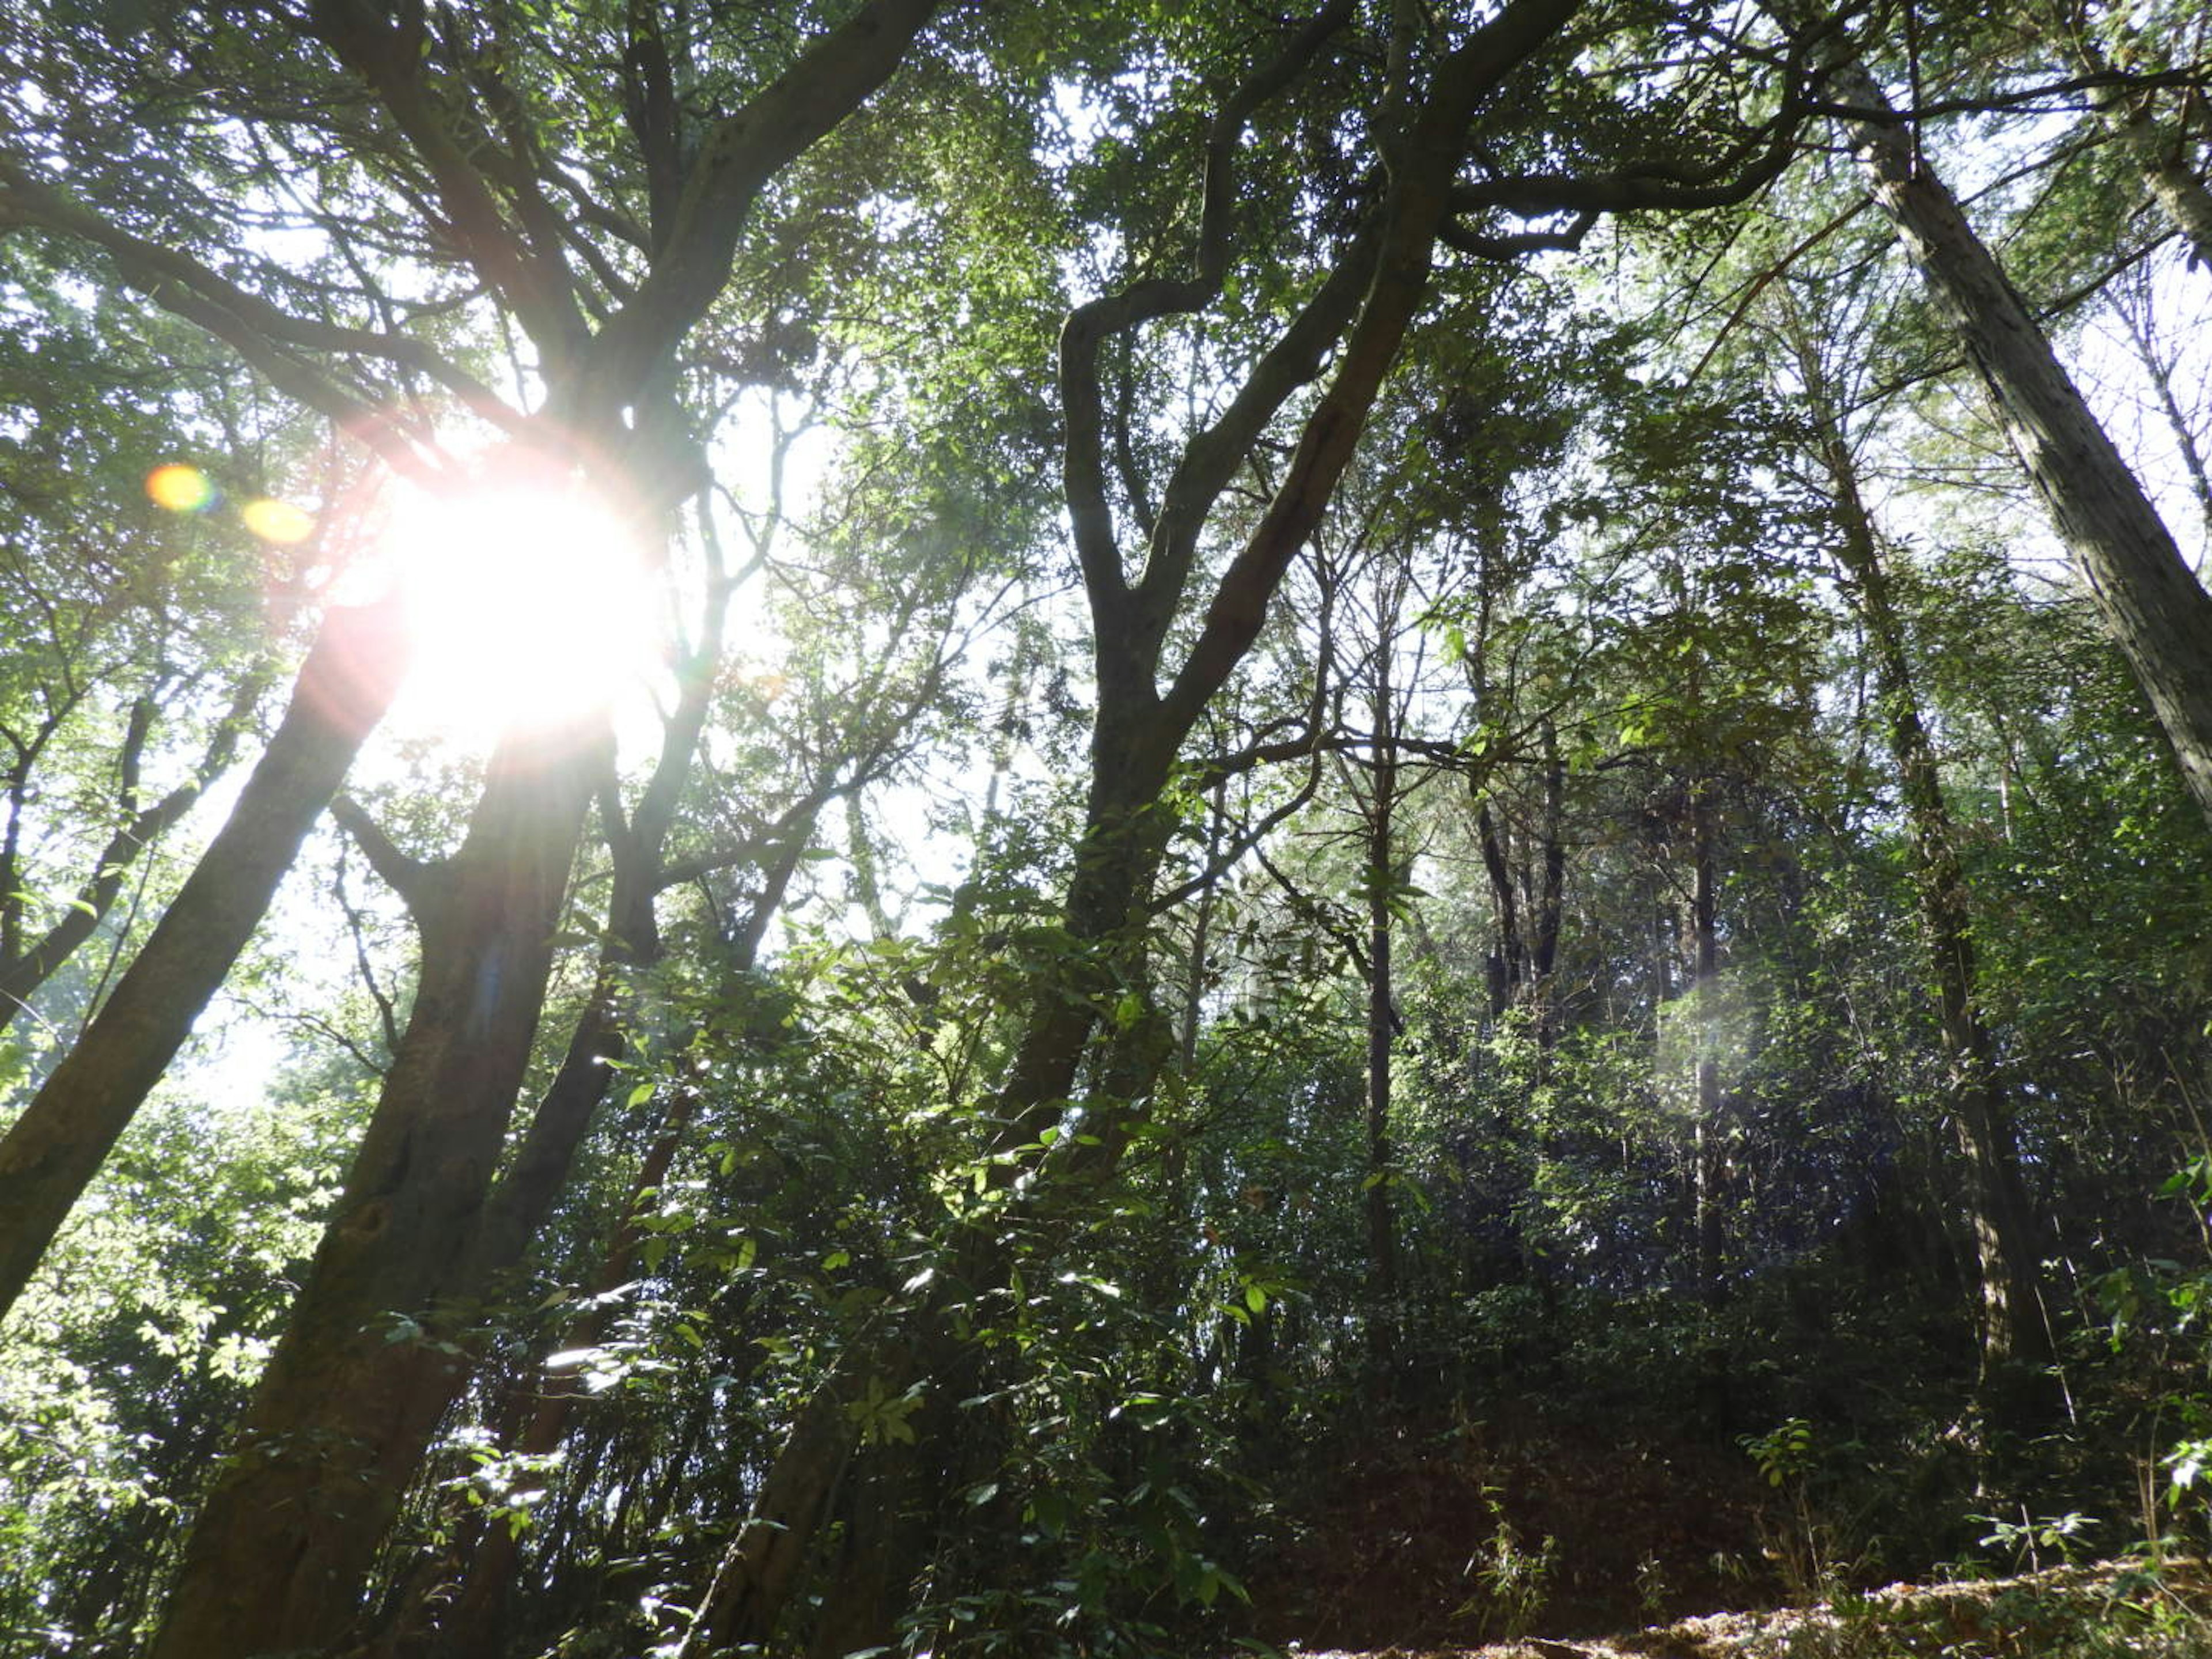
{"points": [[937, 828]]}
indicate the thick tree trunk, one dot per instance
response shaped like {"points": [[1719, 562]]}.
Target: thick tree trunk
{"points": [[276, 1561], [2151, 605], [53, 1149], [2012, 1320], [426, 1375]]}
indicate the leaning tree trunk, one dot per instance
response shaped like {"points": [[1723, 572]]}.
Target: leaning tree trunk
{"points": [[2151, 605], [53, 1149], [540, 1168], [2012, 1321], [276, 1561], [23, 971], [2159, 150]]}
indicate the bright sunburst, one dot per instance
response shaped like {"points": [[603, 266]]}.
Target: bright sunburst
{"points": [[530, 604]]}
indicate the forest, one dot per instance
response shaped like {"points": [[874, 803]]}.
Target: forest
{"points": [[1112, 828]]}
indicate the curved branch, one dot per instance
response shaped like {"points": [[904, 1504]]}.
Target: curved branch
{"points": [[1418, 204], [389, 55], [1083, 469], [409, 877], [159, 270]]}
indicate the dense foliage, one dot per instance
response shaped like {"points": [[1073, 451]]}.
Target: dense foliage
{"points": [[1389, 860]]}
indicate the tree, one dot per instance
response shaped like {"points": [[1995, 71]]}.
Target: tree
{"points": [[2157, 611], [460, 170], [137, 632], [1366, 287], [960, 1127], [2013, 1322]]}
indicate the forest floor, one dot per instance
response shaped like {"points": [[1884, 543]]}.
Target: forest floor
{"points": [[2088, 1612]]}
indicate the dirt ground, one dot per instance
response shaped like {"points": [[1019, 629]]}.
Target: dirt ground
{"points": [[2109, 1607]]}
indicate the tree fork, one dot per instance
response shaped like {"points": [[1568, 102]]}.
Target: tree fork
{"points": [[1138, 732], [275, 1562]]}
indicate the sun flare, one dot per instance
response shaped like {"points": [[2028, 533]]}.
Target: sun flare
{"points": [[531, 606]]}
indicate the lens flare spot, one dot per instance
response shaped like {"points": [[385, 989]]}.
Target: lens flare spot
{"points": [[180, 488], [278, 521]]}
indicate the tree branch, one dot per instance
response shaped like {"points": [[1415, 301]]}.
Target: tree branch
{"points": [[411, 878], [1148, 299], [740, 154]]}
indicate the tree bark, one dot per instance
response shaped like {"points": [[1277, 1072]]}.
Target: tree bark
{"points": [[275, 1562], [53, 1149], [2151, 604]]}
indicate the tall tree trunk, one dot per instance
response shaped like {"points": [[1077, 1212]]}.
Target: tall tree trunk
{"points": [[541, 1167], [276, 1561], [1382, 1016], [1551, 898], [2153, 606], [53, 1149], [2012, 1321], [1509, 964], [1198, 968], [1521, 970], [1704, 992]]}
